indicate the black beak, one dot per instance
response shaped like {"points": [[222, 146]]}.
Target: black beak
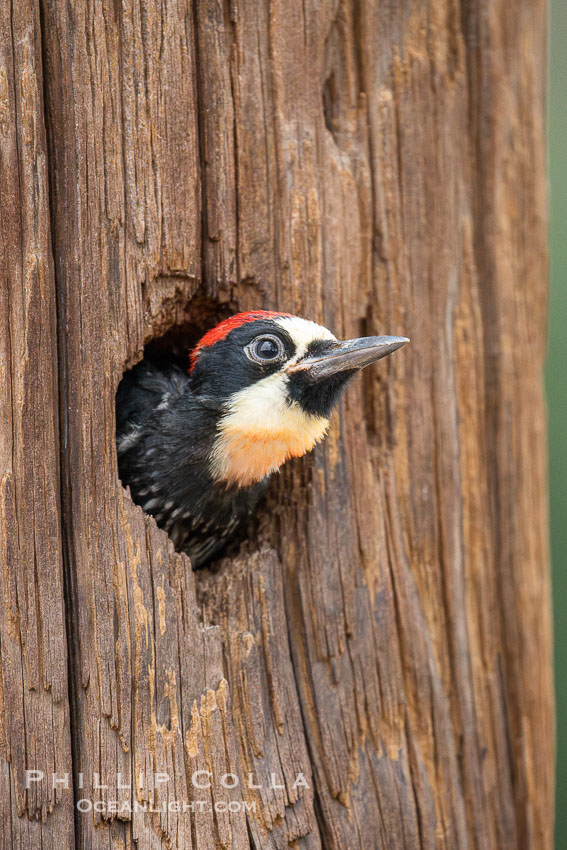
{"points": [[347, 356]]}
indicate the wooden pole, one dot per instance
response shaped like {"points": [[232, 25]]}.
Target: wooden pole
{"points": [[373, 668]]}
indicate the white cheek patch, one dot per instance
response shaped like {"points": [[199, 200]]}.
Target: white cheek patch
{"points": [[303, 332], [262, 429]]}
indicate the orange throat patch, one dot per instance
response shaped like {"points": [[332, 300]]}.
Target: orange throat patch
{"points": [[245, 457], [260, 431]]}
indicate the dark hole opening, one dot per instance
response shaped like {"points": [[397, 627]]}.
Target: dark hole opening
{"points": [[176, 343]]}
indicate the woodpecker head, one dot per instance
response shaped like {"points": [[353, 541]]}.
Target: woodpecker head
{"points": [[277, 378]]}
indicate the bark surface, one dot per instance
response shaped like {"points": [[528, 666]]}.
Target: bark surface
{"points": [[384, 634]]}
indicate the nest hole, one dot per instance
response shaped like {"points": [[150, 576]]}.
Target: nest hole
{"points": [[172, 346]]}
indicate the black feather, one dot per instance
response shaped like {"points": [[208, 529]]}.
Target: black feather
{"points": [[165, 433]]}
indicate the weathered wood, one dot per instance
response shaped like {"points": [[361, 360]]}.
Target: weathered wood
{"points": [[384, 634], [34, 708]]}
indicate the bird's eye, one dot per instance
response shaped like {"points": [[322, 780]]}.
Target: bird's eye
{"points": [[265, 348]]}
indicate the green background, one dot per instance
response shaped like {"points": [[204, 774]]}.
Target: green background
{"points": [[557, 387]]}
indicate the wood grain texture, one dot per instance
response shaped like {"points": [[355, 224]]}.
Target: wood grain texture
{"points": [[385, 632], [34, 707]]}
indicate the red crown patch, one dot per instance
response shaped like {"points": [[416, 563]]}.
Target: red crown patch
{"points": [[222, 330]]}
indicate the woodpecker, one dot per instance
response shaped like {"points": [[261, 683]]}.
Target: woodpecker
{"points": [[197, 447]]}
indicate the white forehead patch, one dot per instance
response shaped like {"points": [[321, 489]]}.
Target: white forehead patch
{"points": [[303, 332]]}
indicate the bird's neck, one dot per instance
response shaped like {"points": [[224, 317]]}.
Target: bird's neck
{"points": [[259, 430]]}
